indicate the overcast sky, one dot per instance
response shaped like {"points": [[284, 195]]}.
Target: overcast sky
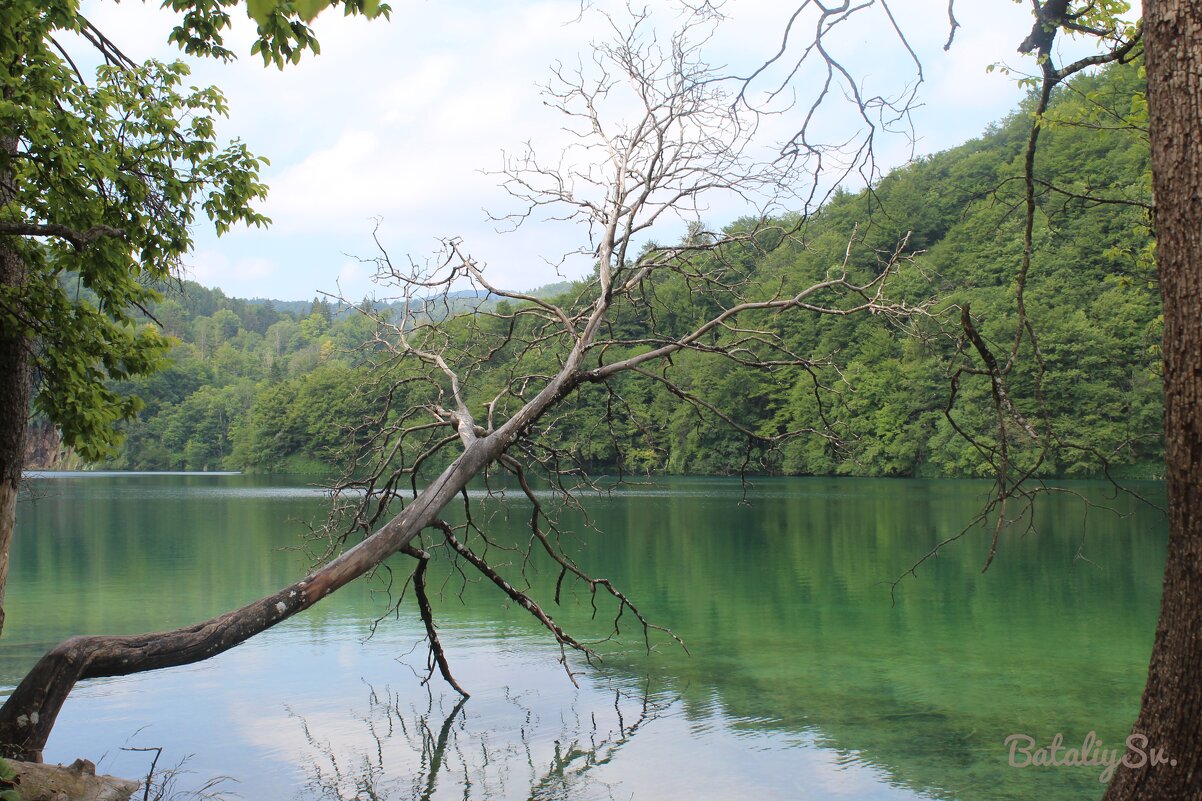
{"points": [[401, 120]]}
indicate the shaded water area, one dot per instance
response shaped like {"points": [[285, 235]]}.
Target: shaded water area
{"points": [[805, 679]]}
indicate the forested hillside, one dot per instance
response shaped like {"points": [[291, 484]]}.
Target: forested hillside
{"points": [[254, 385]]}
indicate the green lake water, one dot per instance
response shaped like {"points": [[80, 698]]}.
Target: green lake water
{"points": [[804, 680]]}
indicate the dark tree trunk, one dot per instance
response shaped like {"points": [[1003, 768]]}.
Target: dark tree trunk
{"points": [[15, 379], [1171, 714], [14, 417]]}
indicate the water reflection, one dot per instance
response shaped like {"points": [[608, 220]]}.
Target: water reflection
{"points": [[441, 751], [805, 681]]}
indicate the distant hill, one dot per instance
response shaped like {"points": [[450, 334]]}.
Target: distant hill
{"points": [[457, 302], [273, 385]]}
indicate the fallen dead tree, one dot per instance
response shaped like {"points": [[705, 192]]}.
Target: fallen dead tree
{"points": [[678, 140]]}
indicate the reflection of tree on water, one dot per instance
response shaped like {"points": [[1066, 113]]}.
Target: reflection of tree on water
{"points": [[447, 750]]}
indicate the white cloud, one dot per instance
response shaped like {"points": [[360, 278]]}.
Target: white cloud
{"points": [[398, 119], [406, 99], [355, 280], [216, 268], [329, 186]]}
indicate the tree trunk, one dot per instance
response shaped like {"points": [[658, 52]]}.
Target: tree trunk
{"points": [[1171, 714], [15, 387], [14, 418], [28, 715]]}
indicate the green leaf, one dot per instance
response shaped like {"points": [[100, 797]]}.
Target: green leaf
{"points": [[260, 10], [309, 9]]}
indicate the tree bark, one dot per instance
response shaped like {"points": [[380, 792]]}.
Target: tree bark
{"points": [[28, 716], [1171, 713], [15, 386], [14, 417]]}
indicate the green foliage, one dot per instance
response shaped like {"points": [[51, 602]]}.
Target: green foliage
{"points": [[8, 782], [252, 387], [245, 387], [113, 170], [282, 25]]}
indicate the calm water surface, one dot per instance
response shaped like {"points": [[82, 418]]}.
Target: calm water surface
{"points": [[804, 681]]}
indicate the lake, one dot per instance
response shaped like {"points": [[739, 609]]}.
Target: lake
{"points": [[804, 678]]}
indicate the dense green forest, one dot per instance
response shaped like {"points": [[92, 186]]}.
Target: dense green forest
{"points": [[263, 386]]}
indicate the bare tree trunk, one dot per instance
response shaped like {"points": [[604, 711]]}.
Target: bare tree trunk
{"points": [[1172, 704], [685, 141], [28, 715]]}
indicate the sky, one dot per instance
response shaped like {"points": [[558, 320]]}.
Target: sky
{"points": [[398, 127]]}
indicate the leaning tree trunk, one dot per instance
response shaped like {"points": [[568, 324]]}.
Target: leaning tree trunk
{"points": [[1171, 713], [28, 715]]}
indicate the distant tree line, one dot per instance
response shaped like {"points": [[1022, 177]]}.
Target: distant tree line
{"points": [[275, 386]]}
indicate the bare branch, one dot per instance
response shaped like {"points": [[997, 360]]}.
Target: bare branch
{"points": [[437, 653]]}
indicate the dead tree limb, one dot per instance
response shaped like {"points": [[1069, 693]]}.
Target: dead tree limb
{"points": [[677, 140]]}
